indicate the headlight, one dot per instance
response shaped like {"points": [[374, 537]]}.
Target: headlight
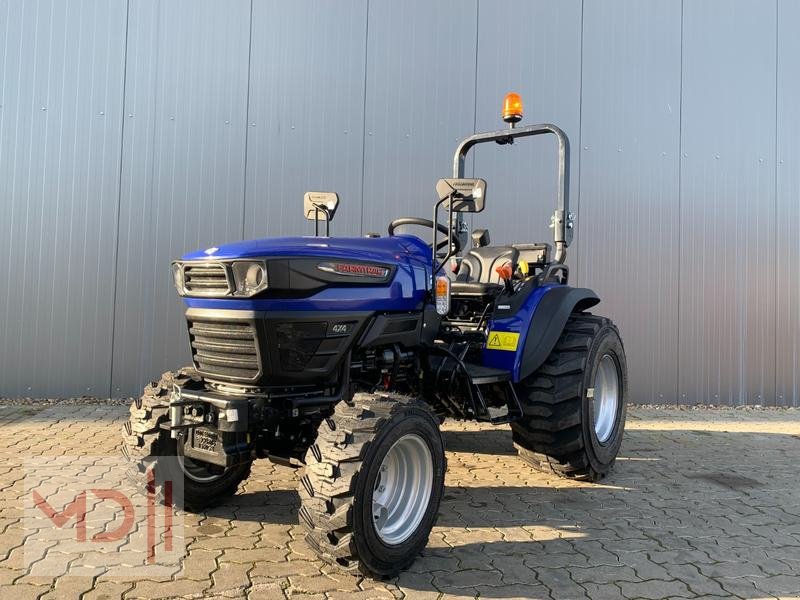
{"points": [[250, 277], [177, 277]]}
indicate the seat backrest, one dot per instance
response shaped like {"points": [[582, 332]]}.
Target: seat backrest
{"points": [[534, 254], [479, 264]]}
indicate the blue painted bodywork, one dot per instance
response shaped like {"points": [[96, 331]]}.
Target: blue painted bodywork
{"points": [[384, 249], [407, 290], [516, 323]]}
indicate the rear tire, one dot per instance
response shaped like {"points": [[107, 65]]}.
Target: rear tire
{"points": [[575, 404], [144, 441], [373, 483]]}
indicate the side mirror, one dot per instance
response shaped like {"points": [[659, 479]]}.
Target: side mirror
{"points": [[466, 195], [320, 206]]}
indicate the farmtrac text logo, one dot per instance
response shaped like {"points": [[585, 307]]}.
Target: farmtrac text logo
{"points": [[354, 269]]}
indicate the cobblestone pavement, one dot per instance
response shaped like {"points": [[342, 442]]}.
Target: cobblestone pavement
{"points": [[702, 503]]}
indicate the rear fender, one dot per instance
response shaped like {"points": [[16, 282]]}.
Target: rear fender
{"points": [[534, 323], [548, 322]]}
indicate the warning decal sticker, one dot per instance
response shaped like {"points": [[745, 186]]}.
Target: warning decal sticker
{"points": [[502, 340]]}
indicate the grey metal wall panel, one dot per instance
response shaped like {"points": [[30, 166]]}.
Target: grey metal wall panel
{"points": [[629, 148], [727, 291], [534, 49], [183, 167], [213, 120], [420, 101], [787, 247], [60, 113], [306, 114]]}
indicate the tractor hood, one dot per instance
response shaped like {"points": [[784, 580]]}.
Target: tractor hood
{"points": [[386, 249], [297, 280]]}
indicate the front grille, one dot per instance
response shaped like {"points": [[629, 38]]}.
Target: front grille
{"points": [[208, 279], [298, 343], [227, 350]]}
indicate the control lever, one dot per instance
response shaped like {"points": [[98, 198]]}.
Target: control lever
{"points": [[506, 272]]}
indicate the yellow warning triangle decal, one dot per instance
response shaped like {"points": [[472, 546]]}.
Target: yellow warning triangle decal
{"points": [[494, 340]]}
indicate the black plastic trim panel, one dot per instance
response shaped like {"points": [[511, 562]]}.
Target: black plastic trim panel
{"points": [[393, 328], [548, 322], [293, 346], [303, 276]]}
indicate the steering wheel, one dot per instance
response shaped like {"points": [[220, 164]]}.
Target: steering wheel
{"points": [[426, 223]]}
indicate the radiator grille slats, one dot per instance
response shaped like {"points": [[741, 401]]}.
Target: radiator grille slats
{"points": [[227, 350], [210, 279]]}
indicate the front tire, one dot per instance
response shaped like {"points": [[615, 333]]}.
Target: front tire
{"points": [[145, 441], [373, 483], [575, 404]]}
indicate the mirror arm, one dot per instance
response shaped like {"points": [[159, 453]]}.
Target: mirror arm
{"points": [[436, 268], [449, 228], [324, 209]]}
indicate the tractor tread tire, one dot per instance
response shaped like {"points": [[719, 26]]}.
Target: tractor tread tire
{"points": [[144, 440], [333, 463], [551, 437]]}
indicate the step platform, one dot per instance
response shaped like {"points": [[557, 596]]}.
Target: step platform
{"points": [[481, 375]]}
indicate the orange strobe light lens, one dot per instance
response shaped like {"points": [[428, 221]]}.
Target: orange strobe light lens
{"points": [[512, 108]]}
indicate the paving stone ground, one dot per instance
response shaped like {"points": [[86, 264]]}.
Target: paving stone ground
{"points": [[702, 504]]}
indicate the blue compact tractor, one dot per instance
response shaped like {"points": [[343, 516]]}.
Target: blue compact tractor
{"points": [[344, 355]]}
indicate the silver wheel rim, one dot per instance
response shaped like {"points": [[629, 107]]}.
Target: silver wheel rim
{"points": [[606, 398], [402, 489], [197, 471]]}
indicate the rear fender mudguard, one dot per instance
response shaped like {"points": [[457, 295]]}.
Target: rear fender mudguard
{"points": [[534, 322], [548, 322]]}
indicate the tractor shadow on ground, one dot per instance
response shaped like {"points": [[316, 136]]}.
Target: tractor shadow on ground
{"points": [[650, 519], [493, 441]]}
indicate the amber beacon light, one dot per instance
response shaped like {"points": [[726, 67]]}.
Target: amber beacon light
{"points": [[512, 108]]}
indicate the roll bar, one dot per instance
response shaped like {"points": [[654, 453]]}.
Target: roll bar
{"points": [[562, 220]]}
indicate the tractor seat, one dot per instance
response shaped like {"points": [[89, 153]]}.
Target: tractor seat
{"points": [[476, 290], [479, 264], [536, 255], [476, 275]]}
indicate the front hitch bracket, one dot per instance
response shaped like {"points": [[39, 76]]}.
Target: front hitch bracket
{"points": [[232, 414]]}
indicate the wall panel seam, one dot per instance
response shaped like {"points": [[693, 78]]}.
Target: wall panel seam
{"points": [[364, 119], [580, 137], [775, 217], [680, 226], [247, 120], [115, 261], [475, 84]]}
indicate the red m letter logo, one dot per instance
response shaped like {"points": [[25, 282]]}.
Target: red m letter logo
{"points": [[76, 508]]}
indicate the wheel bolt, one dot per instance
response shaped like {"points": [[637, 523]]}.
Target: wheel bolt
{"points": [[381, 488]]}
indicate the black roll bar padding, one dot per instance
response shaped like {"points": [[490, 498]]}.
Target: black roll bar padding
{"points": [[562, 220]]}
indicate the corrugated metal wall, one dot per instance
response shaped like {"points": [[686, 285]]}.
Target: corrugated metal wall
{"points": [[132, 131]]}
